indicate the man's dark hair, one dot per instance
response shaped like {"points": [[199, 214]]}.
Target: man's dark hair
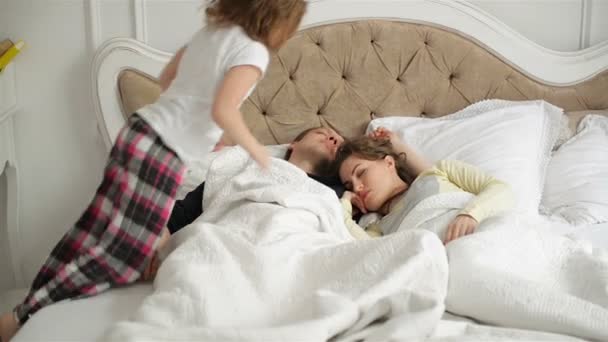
{"points": [[298, 138]]}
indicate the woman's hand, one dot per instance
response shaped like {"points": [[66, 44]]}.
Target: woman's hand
{"points": [[462, 225], [385, 133], [355, 200]]}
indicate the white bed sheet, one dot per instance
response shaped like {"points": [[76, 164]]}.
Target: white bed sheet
{"points": [[597, 234], [83, 320], [86, 319]]}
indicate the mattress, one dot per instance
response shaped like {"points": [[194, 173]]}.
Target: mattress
{"points": [[86, 319]]}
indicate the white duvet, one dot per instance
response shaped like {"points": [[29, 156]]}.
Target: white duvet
{"points": [[513, 272], [271, 260]]}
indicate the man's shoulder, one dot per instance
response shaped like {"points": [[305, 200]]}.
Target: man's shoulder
{"points": [[332, 182]]}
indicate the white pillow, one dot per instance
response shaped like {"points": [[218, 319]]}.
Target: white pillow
{"points": [[576, 186], [510, 140]]}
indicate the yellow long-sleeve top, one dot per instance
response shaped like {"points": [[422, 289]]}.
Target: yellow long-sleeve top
{"points": [[492, 196]]}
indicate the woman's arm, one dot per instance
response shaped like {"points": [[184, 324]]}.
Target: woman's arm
{"points": [[416, 163], [492, 195], [170, 71]]}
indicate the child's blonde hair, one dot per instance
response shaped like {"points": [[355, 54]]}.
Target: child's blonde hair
{"points": [[259, 18]]}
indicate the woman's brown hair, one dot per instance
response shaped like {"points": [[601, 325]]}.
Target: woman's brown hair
{"points": [[259, 18], [374, 149]]}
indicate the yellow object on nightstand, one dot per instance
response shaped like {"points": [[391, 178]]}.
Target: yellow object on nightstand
{"points": [[7, 56]]}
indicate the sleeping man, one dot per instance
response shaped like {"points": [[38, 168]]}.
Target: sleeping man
{"points": [[313, 151]]}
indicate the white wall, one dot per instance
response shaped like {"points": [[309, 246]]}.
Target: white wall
{"points": [[556, 24], [59, 155], [7, 280], [59, 152]]}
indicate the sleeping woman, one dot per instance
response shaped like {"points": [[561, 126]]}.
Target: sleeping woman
{"points": [[508, 273], [378, 178]]}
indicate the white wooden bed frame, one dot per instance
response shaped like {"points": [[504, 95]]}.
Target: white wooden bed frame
{"points": [[548, 66]]}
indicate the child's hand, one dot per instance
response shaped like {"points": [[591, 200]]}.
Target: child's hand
{"points": [[260, 154], [220, 145], [462, 225], [223, 142]]}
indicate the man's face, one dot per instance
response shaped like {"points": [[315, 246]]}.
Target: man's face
{"points": [[318, 146]]}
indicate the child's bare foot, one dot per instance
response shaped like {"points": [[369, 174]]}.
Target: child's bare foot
{"points": [[8, 327]]}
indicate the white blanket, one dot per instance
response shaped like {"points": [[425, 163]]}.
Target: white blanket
{"points": [[271, 259], [513, 274]]}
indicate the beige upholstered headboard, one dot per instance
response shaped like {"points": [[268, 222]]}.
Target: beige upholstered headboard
{"points": [[342, 75]]}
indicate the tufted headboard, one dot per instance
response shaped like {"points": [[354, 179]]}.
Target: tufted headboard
{"points": [[344, 74]]}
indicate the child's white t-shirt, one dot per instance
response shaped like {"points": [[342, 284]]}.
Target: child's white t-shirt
{"points": [[182, 114]]}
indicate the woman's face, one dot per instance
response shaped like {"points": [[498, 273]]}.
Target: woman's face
{"points": [[374, 181]]}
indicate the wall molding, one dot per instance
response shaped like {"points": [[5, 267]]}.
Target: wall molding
{"points": [[141, 20], [13, 206], [8, 106], [94, 24], [8, 91], [585, 30]]}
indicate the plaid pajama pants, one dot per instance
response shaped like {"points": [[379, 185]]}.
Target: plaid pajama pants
{"points": [[115, 237]]}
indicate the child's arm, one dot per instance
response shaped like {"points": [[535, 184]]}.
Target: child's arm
{"points": [[226, 113], [170, 71]]}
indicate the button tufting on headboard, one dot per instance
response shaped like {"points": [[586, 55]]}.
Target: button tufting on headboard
{"points": [[352, 72], [343, 80]]}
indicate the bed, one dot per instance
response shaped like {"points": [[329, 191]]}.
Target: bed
{"points": [[344, 68]]}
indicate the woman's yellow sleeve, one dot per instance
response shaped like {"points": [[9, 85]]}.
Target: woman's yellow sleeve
{"points": [[355, 230], [492, 195]]}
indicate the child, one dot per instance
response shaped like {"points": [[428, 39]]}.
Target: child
{"points": [[205, 84]]}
